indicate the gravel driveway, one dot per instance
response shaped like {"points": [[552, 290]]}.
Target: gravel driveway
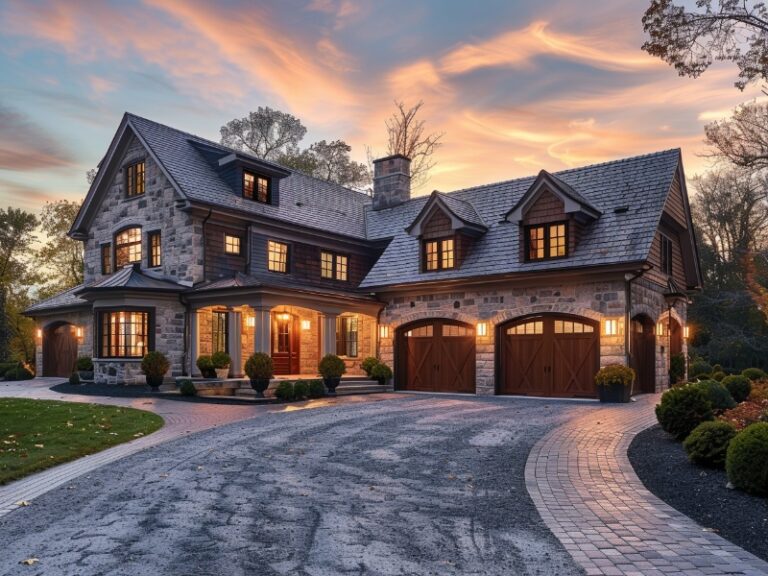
{"points": [[412, 485]]}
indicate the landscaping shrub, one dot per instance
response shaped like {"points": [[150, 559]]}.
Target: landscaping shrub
{"points": [[717, 368], [154, 365], [221, 360], [6, 366], [300, 390], [84, 364], [74, 379], [284, 391], [708, 443], [331, 366], [19, 373], [682, 409], [676, 368], [699, 367], [260, 366], [754, 374], [747, 460], [738, 386], [717, 394], [718, 376], [316, 389], [615, 374], [368, 363], [187, 388], [205, 365], [381, 372]]}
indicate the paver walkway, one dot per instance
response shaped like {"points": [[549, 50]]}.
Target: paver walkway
{"points": [[584, 487], [181, 418]]}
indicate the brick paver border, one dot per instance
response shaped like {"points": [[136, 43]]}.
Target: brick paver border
{"points": [[583, 485]]}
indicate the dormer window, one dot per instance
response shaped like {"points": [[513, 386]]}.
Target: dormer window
{"points": [[255, 187], [134, 180], [439, 254], [545, 241]]}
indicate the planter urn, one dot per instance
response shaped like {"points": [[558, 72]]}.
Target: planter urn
{"points": [[222, 373], [331, 384], [615, 393], [260, 385], [154, 382]]}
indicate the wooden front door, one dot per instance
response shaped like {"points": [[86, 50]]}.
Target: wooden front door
{"points": [[436, 356], [644, 354], [59, 350], [549, 356], [285, 343]]}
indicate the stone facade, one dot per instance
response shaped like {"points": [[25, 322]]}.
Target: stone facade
{"points": [[80, 318]]}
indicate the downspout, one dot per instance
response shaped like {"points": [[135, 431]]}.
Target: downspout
{"points": [[628, 279]]}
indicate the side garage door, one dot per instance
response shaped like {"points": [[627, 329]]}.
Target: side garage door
{"points": [[549, 356], [436, 356]]}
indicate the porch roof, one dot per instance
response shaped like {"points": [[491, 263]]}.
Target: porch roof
{"points": [[132, 278]]}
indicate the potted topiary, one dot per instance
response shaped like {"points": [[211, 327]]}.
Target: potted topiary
{"points": [[614, 383], [221, 362], [331, 368], [154, 365], [260, 369], [84, 366], [381, 372], [368, 363], [205, 365]]}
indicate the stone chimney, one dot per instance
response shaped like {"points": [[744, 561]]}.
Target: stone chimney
{"points": [[391, 181]]}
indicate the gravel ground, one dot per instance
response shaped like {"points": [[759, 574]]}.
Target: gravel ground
{"points": [[416, 485], [700, 493]]}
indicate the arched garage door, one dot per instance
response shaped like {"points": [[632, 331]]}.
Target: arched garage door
{"points": [[436, 355], [551, 355], [59, 349]]}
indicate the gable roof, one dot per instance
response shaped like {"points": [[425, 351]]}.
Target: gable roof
{"points": [[304, 200], [62, 300], [574, 203], [461, 212], [641, 184]]}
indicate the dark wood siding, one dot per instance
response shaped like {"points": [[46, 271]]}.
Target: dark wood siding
{"points": [[675, 205], [678, 271], [438, 225], [547, 208], [219, 264]]}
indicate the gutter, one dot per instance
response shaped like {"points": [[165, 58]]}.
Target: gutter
{"points": [[628, 279]]}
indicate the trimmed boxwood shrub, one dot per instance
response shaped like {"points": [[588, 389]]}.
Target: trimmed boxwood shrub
{"points": [[6, 366], [187, 388], [381, 372], [221, 360], [74, 379], [368, 363], [738, 386], [331, 366], [754, 374], [300, 390], [316, 389], [676, 368], [284, 391], [699, 367], [708, 443], [84, 364], [205, 365], [718, 375], [682, 409], [747, 460], [19, 373], [717, 394]]}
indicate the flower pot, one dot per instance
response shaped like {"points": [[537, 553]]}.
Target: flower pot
{"points": [[85, 375], [330, 384], [222, 373], [154, 382], [260, 385], [614, 393]]}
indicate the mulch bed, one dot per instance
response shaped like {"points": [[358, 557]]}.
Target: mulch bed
{"points": [[699, 493], [122, 391]]}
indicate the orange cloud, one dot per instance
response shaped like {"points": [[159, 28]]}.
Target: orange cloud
{"points": [[26, 146]]}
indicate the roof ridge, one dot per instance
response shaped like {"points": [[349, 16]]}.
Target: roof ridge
{"points": [[234, 150]]}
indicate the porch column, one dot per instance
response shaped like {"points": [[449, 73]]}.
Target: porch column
{"points": [[262, 335], [194, 342], [234, 347], [328, 334]]}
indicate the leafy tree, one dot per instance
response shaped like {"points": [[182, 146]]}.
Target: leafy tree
{"points": [[406, 135], [692, 38], [743, 138], [266, 133], [61, 257], [21, 328], [329, 161]]}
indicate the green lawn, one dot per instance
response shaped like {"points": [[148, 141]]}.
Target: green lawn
{"points": [[39, 434]]}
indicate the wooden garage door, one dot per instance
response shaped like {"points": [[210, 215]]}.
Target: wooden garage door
{"points": [[549, 356], [436, 356], [59, 350]]}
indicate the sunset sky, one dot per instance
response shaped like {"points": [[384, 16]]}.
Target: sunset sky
{"points": [[515, 86]]}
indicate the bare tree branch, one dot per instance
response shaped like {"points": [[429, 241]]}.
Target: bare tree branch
{"points": [[407, 135]]}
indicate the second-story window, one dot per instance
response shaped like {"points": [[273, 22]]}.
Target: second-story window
{"points": [[128, 247], [232, 244], [106, 258], [155, 249], [546, 241], [666, 255], [277, 256], [255, 187], [439, 254], [134, 179], [333, 266]]}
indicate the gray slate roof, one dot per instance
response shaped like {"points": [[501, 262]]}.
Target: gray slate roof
{"points": [[304, 200], [463, 209], [641, 183], [240, 280], [66, 299], [132, 278]]}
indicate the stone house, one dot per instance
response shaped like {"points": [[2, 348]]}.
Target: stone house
{"points": [[520, 287]]}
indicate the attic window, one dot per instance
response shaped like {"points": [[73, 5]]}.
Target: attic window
{"points": [[134, 180], [255, 187], [546, 241], [439, 254]]}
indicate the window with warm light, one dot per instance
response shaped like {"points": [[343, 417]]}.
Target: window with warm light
{"points": [[106, 258], [333, 266], [134, 179], [277, 256], [546, 241], [439, 254], [611, 327], [232, 244], [219, 334], [128, 247], [124, 334], [346, 336], [255, 187], [155, 249]]}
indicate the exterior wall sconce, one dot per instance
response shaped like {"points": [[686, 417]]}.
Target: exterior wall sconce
{"points": [[611, 327], [284, 316], [660, 329], [383, 331], [306, 324], [39, 333], [250, 321], [482, 328], [79, 332], [686, 333]]}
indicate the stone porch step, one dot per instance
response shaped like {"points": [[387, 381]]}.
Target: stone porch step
{"points": [[346, 388]]}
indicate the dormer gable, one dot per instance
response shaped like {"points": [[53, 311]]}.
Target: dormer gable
{"points": [[455, 216], [574, 205]]}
